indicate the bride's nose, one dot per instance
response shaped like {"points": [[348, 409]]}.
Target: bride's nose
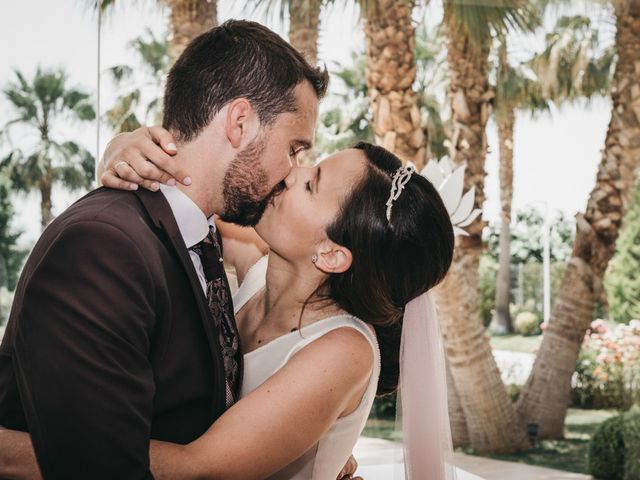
{"points": [[294, 176]]}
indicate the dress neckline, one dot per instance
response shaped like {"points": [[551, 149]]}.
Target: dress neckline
{"points": [[299, 332]]}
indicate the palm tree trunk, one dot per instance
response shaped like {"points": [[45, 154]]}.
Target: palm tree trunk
{"points": [[501, 323], [490, 415], [45, 203], [304, 27], [545, 397], [391, 72], [190, 18], [459, 432]]}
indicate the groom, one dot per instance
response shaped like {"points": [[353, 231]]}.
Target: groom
{"points": [[118, 334]]}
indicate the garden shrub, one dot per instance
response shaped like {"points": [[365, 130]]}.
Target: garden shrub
{"points": [[488, 272], [527, 323], [513, 390], [384, 407], [608, 369], [613, 453]]}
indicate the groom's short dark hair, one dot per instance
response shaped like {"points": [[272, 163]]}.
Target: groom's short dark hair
{"points": [[237, 59]]}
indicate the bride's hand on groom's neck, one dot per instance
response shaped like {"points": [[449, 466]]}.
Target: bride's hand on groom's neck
{"points": [[144, 157]]}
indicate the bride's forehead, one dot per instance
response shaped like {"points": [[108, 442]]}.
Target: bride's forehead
{"points": [[344, 159]]}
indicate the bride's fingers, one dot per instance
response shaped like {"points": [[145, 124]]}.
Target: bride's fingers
{"points": [[168, 166], [111, 180], [130, 173], [349, 469], [123, 175], [163, 138]]}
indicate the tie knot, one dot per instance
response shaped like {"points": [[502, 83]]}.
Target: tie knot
{"points": [[210, 253]]}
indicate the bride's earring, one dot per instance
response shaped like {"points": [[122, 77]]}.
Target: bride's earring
{"points": [[314, 258]]}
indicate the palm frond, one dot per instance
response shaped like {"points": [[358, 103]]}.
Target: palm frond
{"points": [[572, 64], [481, 20]]}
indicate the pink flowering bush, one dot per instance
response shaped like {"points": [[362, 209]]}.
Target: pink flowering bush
{"points": [[608, 370]]}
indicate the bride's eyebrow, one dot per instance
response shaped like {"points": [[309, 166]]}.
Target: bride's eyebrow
{"points": [[317, 182]]}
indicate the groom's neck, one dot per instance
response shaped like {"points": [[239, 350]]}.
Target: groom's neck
{"points": [[207, 175]]}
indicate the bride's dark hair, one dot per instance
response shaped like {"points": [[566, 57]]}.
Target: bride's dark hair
{"points": [[393, 262]]}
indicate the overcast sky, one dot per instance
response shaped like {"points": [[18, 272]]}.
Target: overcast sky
{"points": [[556, 155]]}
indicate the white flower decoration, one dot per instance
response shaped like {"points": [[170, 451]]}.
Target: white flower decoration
{"points": [[450, 182]]}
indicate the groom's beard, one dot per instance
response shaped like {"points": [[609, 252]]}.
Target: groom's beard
{"points": [[245, 188]]}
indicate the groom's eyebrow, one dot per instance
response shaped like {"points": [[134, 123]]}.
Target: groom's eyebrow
{"points": [[306, 144]]}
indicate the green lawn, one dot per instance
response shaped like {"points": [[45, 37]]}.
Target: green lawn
{"points": [[569, 454], [380, 428], [515, 343]]}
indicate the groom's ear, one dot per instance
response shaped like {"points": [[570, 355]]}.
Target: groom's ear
{"points": [[333, 258], [240, 122]]}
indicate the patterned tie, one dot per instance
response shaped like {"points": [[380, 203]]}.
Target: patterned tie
{"points": [[221, 307]]}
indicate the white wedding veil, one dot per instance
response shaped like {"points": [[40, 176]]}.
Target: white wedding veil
{"points": [[422, 408]]}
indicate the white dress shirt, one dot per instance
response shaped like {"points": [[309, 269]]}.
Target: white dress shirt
{"points": [[192, 223]]}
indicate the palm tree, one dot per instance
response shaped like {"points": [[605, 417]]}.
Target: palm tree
{"points": [[545, 397], [517, 88], [153, 53], [187, 20], [37, 106], [350, 120], [491, 419], [391, 66], [304, 21], [390, 42], [304, 27]]}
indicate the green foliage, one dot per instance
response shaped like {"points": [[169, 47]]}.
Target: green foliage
{"points": [[527, 323], [140, 102], [11, 257], [622, 281], [348, 120], [573, 64], [526, 261], [488, 271], [514, 390], [527, 237], [37, 106], [432, 81], [384, 407], [611, 456]]}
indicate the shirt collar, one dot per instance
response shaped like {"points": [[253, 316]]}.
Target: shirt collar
{"points": [[192, 222]]}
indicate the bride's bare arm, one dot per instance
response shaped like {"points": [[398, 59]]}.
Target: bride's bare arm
{"points": [[142, 157], [263, 432], [281, 419]]}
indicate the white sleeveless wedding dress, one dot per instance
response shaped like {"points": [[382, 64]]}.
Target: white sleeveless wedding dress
{"points": [[325, 459]]}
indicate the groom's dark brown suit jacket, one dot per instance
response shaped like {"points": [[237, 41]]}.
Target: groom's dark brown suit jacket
{"points": [[110, 341]]}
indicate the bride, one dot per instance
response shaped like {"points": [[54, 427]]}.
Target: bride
{"points": [[335, 314]]}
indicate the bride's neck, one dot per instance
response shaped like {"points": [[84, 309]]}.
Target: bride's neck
{"points": [[289, 288]]}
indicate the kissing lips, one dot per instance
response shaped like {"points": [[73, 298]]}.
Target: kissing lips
{"points": [[277, 190]]}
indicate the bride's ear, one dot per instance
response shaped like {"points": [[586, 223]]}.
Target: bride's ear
{"points": [[333, 258]]}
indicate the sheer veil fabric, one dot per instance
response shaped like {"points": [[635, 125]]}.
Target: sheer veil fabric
{"points": [[422, 409]]}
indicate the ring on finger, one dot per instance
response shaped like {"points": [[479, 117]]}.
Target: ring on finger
{"points": [[115, 167]]}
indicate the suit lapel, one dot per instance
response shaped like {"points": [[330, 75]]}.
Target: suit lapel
{"points": [[160, 212]]}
